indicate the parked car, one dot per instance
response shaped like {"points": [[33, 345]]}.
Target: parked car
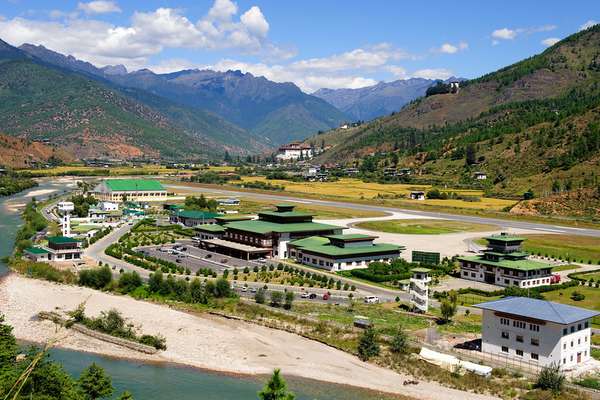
{"points": [[261, 260], [244, 288], [184, 249], [178, 260], [555, 278], [304, 295], [312, 296], [253, 290], [208, 255], [371, 299], [326, 296]]}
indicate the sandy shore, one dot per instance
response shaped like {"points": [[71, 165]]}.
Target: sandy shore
{"points": [[206, 342]]}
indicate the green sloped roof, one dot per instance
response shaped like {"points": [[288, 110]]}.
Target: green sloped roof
{"points": [[420, 269], [322, 245], [131, 185], [197, 214], [61, 240], [521, 265], [234, 217], [505, 238], [263, 227], [351, 237], [36, 250], [210, 228], [286, 214]]}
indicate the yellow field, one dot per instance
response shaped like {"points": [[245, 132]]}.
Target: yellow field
{"points": [[227, 168], [348, 188]]}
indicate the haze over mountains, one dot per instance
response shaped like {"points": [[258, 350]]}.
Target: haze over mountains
{"points": [[378, 100]]}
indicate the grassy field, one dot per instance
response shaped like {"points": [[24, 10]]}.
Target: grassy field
{"points": [[470, 299], [568, 267], [592, 275], [591, 301], [425, 226], [355, 189], [564, 246]]}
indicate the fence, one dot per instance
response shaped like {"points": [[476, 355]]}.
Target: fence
{"points": [[499, 361]]}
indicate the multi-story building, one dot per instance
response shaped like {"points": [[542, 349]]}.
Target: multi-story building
{"points": [[127, 190], [193, 217], [269, 235], [537, 331], [503, 263], [342, 252], [294, 151], [59, 248], [419, 289]]}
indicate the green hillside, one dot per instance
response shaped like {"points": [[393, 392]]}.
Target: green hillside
{"points": [[91, 118], [534, 124]]}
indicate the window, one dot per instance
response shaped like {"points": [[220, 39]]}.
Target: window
{"points": [[565, 331], [587, 324], [579, 341], [504, 349], [573, 329], [578, 327], [571, 343], [519, 338], [534, 328], [535, 341], [504, 321], [534, 356], [504, 335], [519, 353]]}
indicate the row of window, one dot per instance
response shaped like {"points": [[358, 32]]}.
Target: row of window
{"points": [[585, 339], [580, 326], [520, 324], [518, 352], [520, 339]]}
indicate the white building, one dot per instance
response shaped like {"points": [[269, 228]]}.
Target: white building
{"points": [[294, 151], [342, 252], [419, 289], [108, 206], [59, 249], [503, 263], [537, 331], [65, 208]]}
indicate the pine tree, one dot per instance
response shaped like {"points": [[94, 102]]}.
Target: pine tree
{"points": [[94, 383], [276, 389], [367, 345]]}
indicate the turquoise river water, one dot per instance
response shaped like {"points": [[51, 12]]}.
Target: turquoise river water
{"points": [[163, 381]]}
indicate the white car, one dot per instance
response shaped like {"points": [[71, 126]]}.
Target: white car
{"points": [[371, 299], [244, 288], [305, 295]]}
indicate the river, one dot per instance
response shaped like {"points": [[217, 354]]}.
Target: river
{"points": [[161, 381]]}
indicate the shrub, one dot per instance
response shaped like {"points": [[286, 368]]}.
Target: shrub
{"points": [[367, 345], [129, 281], [577, 296], [399, 342], [551, 378], [156, 341], [260, 296], [97, 278], [276, 298]]}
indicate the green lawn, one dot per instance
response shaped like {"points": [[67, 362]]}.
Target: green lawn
{"points": [[470, 299], [592, 275], [252, 206], [578, 248], [425, 226]]}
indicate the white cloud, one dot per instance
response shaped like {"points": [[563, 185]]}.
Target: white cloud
{"points": [[148, 33], [504, 34], [433, 73], [588, 24], [510, 34], [449, 48], [99, 7], [397, 71], [550, 41]]}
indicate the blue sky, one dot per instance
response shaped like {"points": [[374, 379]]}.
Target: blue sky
{"points": [[312, 43]]}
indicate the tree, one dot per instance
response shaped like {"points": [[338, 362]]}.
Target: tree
{"points": [[470, 154], [399, 342], [276, 389], [260, 296], [289, 299], [129, 281], [276, 298], [367, 345], [126, 396], [8, 344], [155, 281], [222, 288], [551, 378], [448, 309], [94, 383]]}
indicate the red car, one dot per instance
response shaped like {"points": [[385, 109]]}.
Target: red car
{"points": [[555, 278], [326, 296]]}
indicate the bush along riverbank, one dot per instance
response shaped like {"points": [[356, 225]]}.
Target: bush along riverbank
{"points": [[11, 184]]}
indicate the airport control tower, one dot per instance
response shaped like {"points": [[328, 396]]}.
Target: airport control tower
{"points": [[65, 208]]}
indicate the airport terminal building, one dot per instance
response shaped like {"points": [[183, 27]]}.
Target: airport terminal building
{"points": [[122, 190]]}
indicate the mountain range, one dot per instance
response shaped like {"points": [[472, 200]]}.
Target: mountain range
{"points": [[370, 102], [110, 112], [531, 125], [276, 113]]}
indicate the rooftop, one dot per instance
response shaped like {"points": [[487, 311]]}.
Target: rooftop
{"points": [[421, 270], [263, 227], [197, 214], [505, 237], [36, 250], [351, 237], [322, 245], [61, 240], [131, 185], [210, 228], [519, 264], [238, 246], [539, 309]]}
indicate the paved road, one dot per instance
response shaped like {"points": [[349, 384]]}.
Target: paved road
{"points": [[515, 224]]}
